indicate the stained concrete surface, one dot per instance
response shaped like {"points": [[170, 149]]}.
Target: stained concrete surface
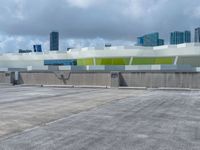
{"points": [[98, 119]]}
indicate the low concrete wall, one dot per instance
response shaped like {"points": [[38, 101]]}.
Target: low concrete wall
{"points": [[65, 78], [113, 79], [156, 80], [5, 78]]}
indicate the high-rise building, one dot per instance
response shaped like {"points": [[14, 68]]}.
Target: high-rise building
{"points": [[197, 35], [54, 41], [187, 37], [25, 51], [37, 48], [140, 41], [150, 40], [161, 42], [108, 45], [178, 37]]}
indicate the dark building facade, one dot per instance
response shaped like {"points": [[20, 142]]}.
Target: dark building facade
{"points": [[37, 48], [54, 41], [140, 41], [25, 51], [187, 37], [150, 40], [178, 37], [197, 35], [161, 42]]}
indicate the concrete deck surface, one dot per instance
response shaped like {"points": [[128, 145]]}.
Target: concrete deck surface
{"points": [[98, 119]]}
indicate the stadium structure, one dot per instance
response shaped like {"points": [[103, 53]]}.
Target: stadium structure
{"points": [[182, 54]]}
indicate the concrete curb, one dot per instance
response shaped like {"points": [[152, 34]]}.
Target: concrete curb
{"points": [[160, 88], [88, 86], [75, 86], [30, 85], [133, 88], [5, 84], [170, 89], [59, 86], [106, 87]]}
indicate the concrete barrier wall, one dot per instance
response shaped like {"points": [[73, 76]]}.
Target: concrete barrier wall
{"points": [[4, 77], [114, 79], [66, 78], [156, 80]]}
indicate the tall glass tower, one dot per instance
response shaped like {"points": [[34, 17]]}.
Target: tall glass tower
{"points": [[54, 41], [150, 40], [187, 37], [37, 48], [197, 35], [180, 37]]}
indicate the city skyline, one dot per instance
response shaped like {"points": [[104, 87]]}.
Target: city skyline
{"points": [[25, 23], [147, 40]]}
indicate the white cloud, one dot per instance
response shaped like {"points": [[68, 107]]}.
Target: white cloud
{"points": [[91, 22], [81, 3], [135, 8], [14, 43], [196, 12]]}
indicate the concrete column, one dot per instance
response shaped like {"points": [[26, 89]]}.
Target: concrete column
{"points": [[176, 60], [14, 77], [94, 61], [131, 61], [115, 79]]}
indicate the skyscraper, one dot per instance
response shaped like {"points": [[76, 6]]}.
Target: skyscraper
{"points": [[187, 37], [161, 42], [150, 40], [54, 41], [178, 37], [140, 41], [37, 48], [197, 35]]}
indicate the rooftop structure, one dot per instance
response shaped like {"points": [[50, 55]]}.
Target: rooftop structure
{"points": [[25, 51], [182, 54]]}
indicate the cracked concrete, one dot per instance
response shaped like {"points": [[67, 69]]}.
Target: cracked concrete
{"points": [[105, 119]]}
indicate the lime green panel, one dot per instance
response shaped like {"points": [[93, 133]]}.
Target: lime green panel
{"points": [[112, 61], [103, 61], [165, 60], [85, 62], [125, 61], [155, 60]]}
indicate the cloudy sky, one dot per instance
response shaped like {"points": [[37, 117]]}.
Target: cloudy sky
{"points": [[91, 22]]}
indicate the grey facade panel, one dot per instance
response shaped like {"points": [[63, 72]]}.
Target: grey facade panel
{"points": [[192, 60]]}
